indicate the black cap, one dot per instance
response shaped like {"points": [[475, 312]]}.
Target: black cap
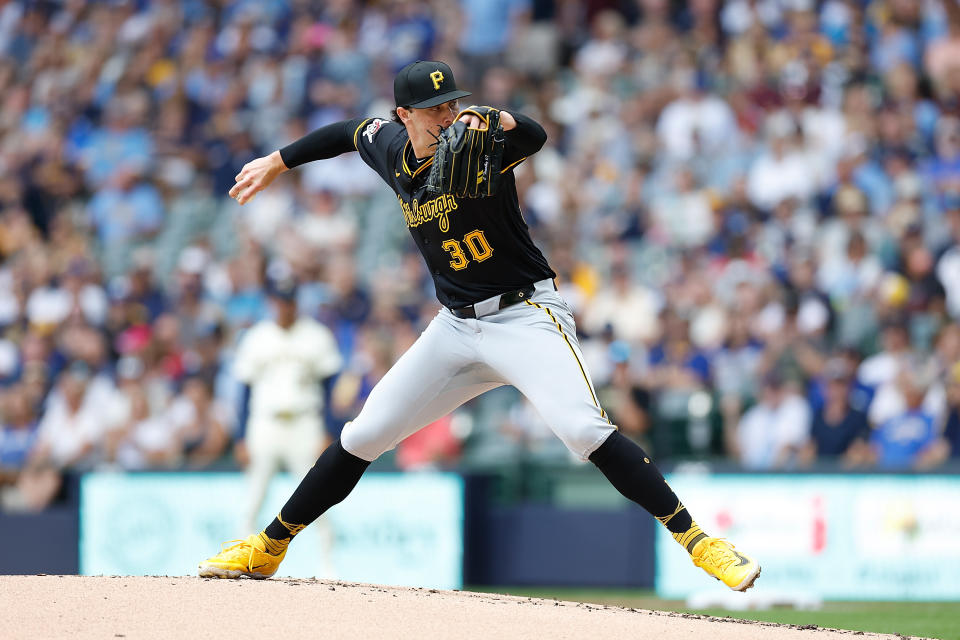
{"points": [[284, 288], [425, 83]]}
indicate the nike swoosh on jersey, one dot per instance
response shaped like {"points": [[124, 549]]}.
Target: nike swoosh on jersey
{"points": [[398, 174]]}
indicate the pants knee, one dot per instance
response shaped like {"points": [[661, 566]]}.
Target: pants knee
{"points": [[581, 440], [364, 442]]}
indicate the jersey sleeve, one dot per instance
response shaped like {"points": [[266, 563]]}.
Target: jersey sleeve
{"points": [[377, 141], [245, 360], [325, 142], [523, 141]]}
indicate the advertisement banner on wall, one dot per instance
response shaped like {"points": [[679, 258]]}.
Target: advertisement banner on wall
{"points": [[834, 537], [400, 529]]}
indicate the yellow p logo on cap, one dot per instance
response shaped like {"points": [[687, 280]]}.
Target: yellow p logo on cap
{"points": [[437, 78]]}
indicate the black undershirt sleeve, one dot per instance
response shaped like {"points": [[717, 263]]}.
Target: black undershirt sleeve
{"points": [[326, 142], [528, 137]]}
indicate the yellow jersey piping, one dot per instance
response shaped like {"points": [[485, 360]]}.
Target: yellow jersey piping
{"points": [[358, 131], [583, 371]]}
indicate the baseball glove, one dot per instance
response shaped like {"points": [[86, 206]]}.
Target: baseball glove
{"points": [[466, 162]]}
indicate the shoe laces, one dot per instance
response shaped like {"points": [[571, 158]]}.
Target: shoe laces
{"points": [[718, 553], [238, 547]]}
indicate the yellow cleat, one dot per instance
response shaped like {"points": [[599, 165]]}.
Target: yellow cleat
{"points": [[718, 558], [242, 558]]}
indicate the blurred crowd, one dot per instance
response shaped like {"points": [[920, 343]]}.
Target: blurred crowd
{"points": [[753, 207]]}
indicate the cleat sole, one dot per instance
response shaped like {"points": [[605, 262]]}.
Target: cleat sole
{"points": [[748, 582], [211, 571], [216, 572]]}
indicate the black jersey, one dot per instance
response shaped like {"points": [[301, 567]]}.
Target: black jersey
{"points": [[475, 248]]}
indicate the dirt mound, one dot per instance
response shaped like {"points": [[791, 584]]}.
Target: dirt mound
{"points": [[169, 608]]}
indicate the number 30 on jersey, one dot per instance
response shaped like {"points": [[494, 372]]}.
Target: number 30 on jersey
{"points": [[476, 244]]}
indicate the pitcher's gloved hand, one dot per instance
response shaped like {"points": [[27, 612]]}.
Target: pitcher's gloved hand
{"points": [[467, 160]]}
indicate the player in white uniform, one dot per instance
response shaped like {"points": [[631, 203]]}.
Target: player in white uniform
{"points": [[282, 363], [502, 322]]}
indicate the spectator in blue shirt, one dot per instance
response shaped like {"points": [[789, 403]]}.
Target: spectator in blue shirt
{"points": [[125, 212], [122, 143], [902, 442], [838, 429], [676, 367], [22, 485], [486, 33], [412, 35], [18, 431]]}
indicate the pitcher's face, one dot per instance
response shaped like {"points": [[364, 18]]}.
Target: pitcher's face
{"points": [[424, 124]]}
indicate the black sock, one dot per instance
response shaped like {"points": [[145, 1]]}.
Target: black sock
{"points": [[629, 469], [330, 480]]}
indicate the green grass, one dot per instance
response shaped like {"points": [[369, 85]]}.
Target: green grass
{"points": [[939, 620]]}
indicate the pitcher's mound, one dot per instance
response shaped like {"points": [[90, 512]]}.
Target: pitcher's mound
{"points": [[170, 608]]}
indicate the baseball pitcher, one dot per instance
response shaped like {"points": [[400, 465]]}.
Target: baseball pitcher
{"points": [[502, 321]]}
